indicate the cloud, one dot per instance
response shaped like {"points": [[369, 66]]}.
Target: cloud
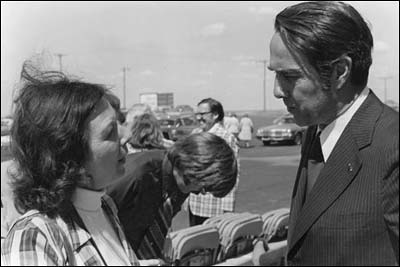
{"points": [[213, 29], [263, 10], [199, 83], [381, 46], [147, 73], [243, 58], [206, 73]]}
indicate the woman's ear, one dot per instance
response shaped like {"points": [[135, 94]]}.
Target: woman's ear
{"points": [[341, 71]]}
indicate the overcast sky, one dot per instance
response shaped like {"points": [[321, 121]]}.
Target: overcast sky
{"points": [[193, 49]]}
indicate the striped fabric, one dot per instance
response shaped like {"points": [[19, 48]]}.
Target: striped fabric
{"points": [[152, 244], [207, 205], [35, 239]]}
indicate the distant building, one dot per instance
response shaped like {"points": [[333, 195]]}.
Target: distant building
{"points": [[158, 101]]}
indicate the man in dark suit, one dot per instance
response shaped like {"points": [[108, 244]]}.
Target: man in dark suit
{"points": [[345, 202]]}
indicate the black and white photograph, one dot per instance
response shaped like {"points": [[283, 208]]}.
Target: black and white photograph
{"points": [[200, 133]]}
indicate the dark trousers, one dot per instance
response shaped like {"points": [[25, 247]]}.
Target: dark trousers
{"points": [[195, 220]]}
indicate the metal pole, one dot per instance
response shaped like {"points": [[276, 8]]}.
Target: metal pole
{"points": [[124, 86], [385, 86], [264, 62], [385, 89], [60, 60], [265, 76], [124, 70]]}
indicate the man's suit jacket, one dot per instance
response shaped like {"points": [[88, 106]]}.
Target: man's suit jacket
{"points": [[351, 215]]}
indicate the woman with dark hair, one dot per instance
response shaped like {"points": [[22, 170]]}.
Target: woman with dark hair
{"points": [[145, 134], [67, 150], [152, 194]]}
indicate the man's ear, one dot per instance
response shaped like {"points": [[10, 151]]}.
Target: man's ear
{"points": [[215, 116], [341, 71]]}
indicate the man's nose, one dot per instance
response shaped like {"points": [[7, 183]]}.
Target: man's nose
{"points": [[278, 92]]}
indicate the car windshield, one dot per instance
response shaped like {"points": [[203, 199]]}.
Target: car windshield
{"points": [[167, 122]]}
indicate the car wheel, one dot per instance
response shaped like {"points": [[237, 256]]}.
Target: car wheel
{"points": [[297, 139], [266, 143]]}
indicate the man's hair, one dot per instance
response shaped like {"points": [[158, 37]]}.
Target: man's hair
{"points": [[49, 139], [146, 133], [137, 110], [205, 158], [215, 108], [320, 32]]}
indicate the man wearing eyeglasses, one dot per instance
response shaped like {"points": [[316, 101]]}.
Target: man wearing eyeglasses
{"points": [[210, 115]]}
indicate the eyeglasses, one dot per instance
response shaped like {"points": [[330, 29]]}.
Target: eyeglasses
{"points": [[201, 114]]}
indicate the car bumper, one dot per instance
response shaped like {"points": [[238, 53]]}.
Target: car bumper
{"points": [[276, 138]]}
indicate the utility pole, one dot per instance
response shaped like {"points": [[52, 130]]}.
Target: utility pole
{"points": [[385, 86], [124, 70], [60, 60], [264, 62]]}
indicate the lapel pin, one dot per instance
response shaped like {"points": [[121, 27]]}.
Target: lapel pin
{"points": [[350, 167]]}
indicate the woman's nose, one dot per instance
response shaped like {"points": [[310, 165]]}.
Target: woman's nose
{"points": [[124, 134]]}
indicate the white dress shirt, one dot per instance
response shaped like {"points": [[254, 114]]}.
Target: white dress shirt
{"points": [[332, 132]]}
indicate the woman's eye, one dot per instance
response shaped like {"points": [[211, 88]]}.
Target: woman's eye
{"points": [[112, 133]]}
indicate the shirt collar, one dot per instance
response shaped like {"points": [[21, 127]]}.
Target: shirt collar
{"points": [[87, 200], [215, 127], [332, 132]]}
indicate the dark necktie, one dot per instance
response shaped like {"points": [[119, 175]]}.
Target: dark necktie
{"points": [[315, 162]]}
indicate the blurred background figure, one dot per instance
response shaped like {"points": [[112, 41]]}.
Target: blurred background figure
{"points": [[145, 134], [139, 109], [136, 110], [246, 130], [232, 124]]}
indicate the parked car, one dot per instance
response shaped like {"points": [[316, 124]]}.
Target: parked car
{"points": [[177, 127], [284, 129], [184, 109], [6, 126], [5, 138]]}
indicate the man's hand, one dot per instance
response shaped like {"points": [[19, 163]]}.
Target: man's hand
{"points": [[258, 251]]}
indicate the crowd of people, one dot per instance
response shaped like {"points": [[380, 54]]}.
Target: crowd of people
{"points": [[94, 187]]}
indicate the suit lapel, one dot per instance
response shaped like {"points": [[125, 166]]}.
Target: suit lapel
{"points": [[299, 189], [339, 171]]}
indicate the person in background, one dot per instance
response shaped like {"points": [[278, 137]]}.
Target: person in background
{"points": [[246, 130], [345, 201], [145, 134], [210, 115], [67, 150], [153, 192], [231, 124], [140, 109]]}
